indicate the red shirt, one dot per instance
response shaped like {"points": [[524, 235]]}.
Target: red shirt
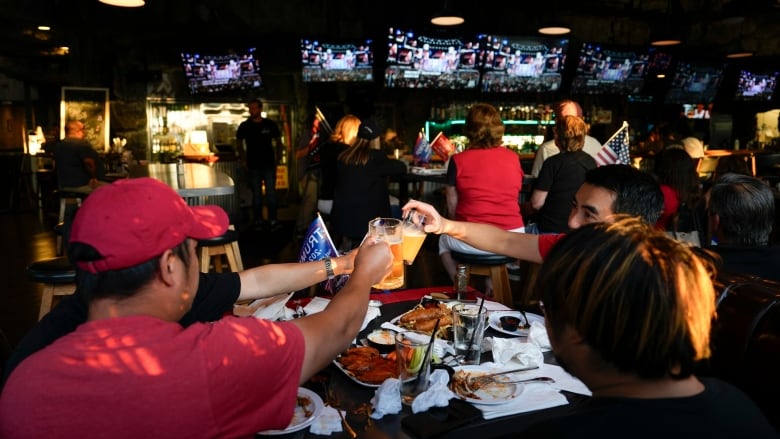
{"points": [[547, 241]]}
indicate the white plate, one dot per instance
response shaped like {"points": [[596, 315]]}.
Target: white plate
{"points": [[493, 393], [300, 420], [352, 377], [495, 323]]}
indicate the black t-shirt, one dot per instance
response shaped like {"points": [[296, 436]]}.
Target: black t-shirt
{"points": [[217, 292], [720, 411], [561, 176], [259, 142]]}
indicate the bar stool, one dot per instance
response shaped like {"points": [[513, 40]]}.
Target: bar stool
{"points": [[66, 198], [493, 266], [59, 277], [215, 248]]}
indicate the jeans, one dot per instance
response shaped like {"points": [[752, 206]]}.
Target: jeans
{"points": [[255, 178]]}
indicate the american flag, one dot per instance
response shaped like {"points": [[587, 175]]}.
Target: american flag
{"points": [[616, 149]]}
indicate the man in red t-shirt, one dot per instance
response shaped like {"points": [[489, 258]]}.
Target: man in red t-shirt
{"points": [[607, 190], [132, 369]]}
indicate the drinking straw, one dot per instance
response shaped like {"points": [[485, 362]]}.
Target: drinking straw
{"points": [[427, 354], [474, 334]]}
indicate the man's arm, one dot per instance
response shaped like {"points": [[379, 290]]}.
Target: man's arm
{"points": [[482, 236], [272, 279], [329, 332]]}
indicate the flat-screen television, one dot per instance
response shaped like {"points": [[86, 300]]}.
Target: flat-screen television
{"points": [[756, 86], [694, 83], [226, 71], [602, 69], [522, 64], [330, 61], [699, 110], [429, 61]]}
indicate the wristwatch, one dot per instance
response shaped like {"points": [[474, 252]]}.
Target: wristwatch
{"points": [[329, 268]]}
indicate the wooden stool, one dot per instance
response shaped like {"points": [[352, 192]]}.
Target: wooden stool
{"points": [[58, 230], [68, 197], [227, 245], [493, 266], [59, 277]]}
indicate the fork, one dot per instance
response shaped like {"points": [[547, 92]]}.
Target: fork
{"points": [[333, 402]]}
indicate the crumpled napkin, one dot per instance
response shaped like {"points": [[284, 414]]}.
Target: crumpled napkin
{"points": [[327, 423], [269, 308], [318, 304], [438, 393], [537, 335], [387, 399], [513, 351]]}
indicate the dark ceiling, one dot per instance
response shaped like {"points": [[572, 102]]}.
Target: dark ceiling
{"points": [[97, 33]]}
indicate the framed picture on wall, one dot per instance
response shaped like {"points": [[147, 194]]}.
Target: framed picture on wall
{"points": [[90, 106]]}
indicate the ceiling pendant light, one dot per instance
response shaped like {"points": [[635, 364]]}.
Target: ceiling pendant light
{"points": [[554, 29], [124, 3], [665, 34], [447, 17], [739, 51]]}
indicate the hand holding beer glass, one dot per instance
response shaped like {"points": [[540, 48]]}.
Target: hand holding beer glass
{"points": [[391, 231], [414, 235]]}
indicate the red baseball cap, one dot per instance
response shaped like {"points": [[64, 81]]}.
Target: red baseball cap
{"points": [[134, 220]]}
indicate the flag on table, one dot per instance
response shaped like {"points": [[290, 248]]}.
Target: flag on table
{"points": [[317, 245], [422, 149], [615, 150], [442, 146]]}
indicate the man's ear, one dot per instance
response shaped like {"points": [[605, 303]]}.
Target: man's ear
{"points": [[167, 266]]}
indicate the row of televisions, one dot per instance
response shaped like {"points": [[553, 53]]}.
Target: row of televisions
{"points": [[487, 63]]}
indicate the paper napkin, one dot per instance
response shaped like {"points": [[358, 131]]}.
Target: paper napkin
{"points": [[318, 304], [270, 308], [537, 335], [513, 352], [387, 399], [327, 423], [437, 395]]}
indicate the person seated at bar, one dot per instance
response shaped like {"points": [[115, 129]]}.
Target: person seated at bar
{"points": [[131, 368], [607, 190], [560, 177], [741, 213], [548, 149], [78, 166], [629, 311], [483, 183]]}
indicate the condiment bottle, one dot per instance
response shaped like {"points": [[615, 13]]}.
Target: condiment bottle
{"points": [[461, 282]]}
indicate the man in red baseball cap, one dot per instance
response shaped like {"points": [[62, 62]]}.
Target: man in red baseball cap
{"points": [[132, 368]]}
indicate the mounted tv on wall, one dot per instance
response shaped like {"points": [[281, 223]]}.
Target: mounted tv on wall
{"points": [[522, 64], [756, 86], [695, 83], [602, 69], [217, 72], [325, 61], [429, 61]]}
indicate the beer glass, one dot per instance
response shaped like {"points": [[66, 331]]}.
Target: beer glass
{"points": [[391, 231], [414, 235]]}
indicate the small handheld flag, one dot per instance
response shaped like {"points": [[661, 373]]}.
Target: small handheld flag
{"points": [[318, 245], [615, 150], [422, 149]]}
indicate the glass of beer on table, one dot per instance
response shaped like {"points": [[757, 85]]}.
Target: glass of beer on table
{"points": [[390, 230], [414, 235]]}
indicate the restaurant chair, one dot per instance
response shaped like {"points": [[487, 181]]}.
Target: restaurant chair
{"points": [[67, 198], [494, 267], [58, 276], [212, 250]]}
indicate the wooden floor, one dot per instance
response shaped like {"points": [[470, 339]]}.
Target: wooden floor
{"points": [[27, 236]]}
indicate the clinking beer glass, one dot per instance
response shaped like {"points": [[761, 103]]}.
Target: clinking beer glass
{"points": [[391, 231]]}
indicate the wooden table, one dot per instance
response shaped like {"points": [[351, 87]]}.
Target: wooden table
{"points": [[193, 181]]}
